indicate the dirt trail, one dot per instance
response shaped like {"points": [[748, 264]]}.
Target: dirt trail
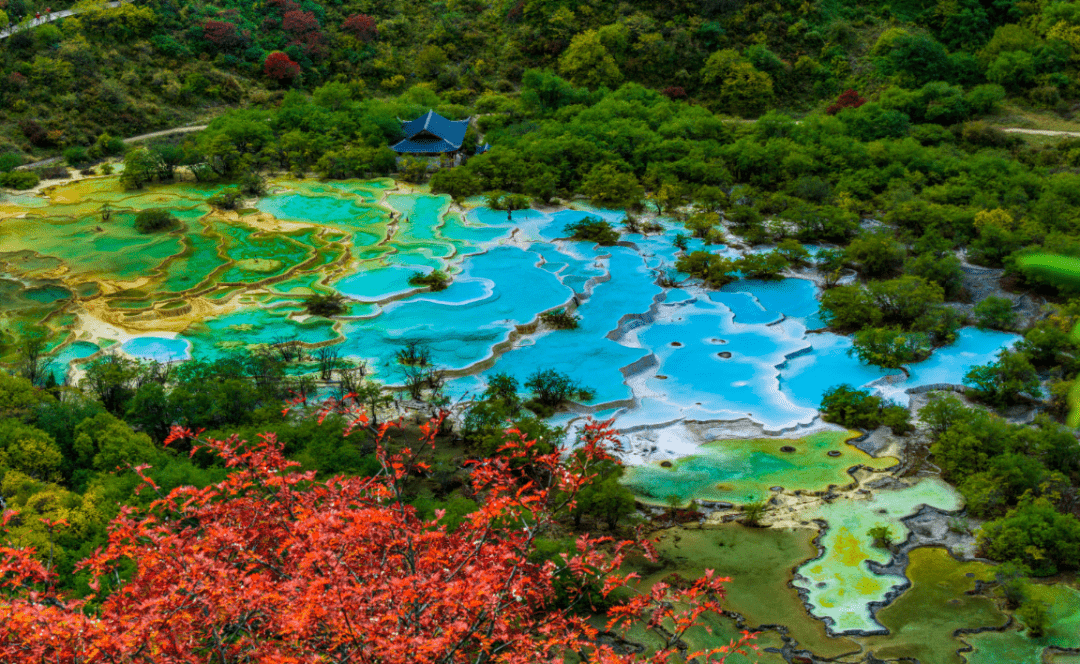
{"points": [[1040, 132], [47, 18], [133, 139]]}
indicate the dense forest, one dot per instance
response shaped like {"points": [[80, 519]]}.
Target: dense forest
{"points": [[871, 130], [150, 65]]}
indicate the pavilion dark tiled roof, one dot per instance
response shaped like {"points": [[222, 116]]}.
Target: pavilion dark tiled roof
{"points": [[431, 133]]}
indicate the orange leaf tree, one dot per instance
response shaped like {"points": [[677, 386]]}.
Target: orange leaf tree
{"points": [[271, 565]]}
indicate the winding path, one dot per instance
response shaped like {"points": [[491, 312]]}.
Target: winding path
{"points": [[1040, 132], [134, 139], [51, 16]]}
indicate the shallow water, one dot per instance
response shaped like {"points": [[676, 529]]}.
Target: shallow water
{"points": [[742, 471], [840, 584], [683, 353], [924, 618], [1063, 630], [760, 563], [158, 349], [651, 355], [740, 352], [61, 361]]}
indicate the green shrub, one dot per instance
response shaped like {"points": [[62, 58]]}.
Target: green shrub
{"points": [[1048, 345], [458, 182], [943, 270], [413, 169], [876, 256], [76, 155], [8, 162], [1035, 616], [606, 186], [941, 412], [19, 180], [858, 409], [436, 280], [560, 319], [768, 267], [702, 223], [328, 305], [106, 146], [995, 313], [1001, 383], [1036, 535], [743, 216], [551, 389], [847, 308], [716, 271], [890, 347], [908, 303], [226, 199], [793, 251], [593, 229], [882, 536], [752, 512], [253, 184], [154, 221]]}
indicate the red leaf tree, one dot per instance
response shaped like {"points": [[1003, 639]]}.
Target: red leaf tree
{"points": [[220, 32], [847, 99], [362, 27], [271, 565], [297, 22], [283, 5], [311, 44], [674, 92], [280, 66]]}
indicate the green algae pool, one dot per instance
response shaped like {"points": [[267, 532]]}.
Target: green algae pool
{"points": [[923, 620], [1015, 646], [840, 584], [760, 562], [723, 631], [243, 274], [83, 231], [744, 470]]}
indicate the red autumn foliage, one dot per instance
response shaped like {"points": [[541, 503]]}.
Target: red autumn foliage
{"points": [[312, 44], [283, 5], [296, 22], [674, 92], [848, 99], [35, 133], [280, 66], [222, 33], [362, 27], [271, 565]]}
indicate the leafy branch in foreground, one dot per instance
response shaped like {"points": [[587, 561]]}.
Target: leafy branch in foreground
{"points": [[271, 565]]}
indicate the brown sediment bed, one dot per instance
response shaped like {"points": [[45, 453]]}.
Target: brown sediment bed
{"points": [[150, 320], [173, 312]]}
